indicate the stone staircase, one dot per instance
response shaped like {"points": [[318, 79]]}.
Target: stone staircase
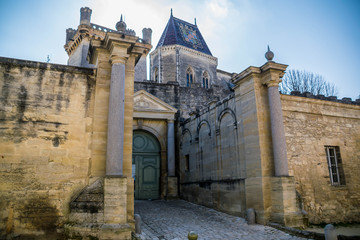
{"points": [[86, 212], [88, 207]]}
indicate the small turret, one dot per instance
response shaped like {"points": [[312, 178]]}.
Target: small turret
{"points": [[147, 35], [121, 25], [69, 34], [85, 15]]}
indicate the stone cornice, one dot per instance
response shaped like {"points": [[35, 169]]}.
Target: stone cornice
{"points": [[176, 46], [43, 65], [120, 46], [246, 73], [271, 73]]}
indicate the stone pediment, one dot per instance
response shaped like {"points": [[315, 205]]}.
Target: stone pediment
{"points": [[151, 106]]}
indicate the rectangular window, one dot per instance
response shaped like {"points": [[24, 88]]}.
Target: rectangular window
{"points": [[336, 170], [187, 162]]}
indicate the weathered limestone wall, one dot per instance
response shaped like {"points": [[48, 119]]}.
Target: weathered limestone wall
{"points": [[199, 63], [226, 154], [45, 129], [174, 61], [185, 99], [223, 78], [310, 125], [211, 158], [140, 70]]}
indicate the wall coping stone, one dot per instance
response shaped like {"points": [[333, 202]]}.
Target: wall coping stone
{"points": [[43, 65], [345, 100]]}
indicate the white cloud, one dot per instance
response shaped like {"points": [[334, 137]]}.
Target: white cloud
{"points": [[218, 8]]}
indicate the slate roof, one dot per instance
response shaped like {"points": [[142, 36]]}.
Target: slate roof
{"points": [[183, 33]]}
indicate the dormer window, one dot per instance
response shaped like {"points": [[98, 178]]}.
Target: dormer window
{"points": [[189, 77], [205, 80]]}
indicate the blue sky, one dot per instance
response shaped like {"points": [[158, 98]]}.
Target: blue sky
{"points": [[321, 36]]}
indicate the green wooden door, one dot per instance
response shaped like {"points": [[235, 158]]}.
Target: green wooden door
{"points": [[146, 165]]}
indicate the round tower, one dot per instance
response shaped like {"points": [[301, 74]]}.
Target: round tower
{"points": [[147, 35], [85, 15]]}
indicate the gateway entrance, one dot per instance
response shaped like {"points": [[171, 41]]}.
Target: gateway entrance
{"points": [[146, 165]]}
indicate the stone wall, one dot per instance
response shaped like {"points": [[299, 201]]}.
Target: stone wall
{"points": [[310, 125], [140, 70], [185, 99], [174, 61], [45, 129], [211, 158]]}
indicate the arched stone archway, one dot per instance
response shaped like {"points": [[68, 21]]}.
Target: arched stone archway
{"points": [[146, 165]]}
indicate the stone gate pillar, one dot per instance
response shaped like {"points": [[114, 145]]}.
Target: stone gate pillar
{"points": [[277, 129], [115, 133], [172, 181], [122, 51], [269, 189]]}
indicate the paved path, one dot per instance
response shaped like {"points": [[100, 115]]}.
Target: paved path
{"points": [[173, 220]]}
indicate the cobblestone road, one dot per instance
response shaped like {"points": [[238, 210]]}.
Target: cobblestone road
{"points": [[173, 220]]}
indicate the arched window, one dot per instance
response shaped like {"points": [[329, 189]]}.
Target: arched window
{"points": [[156, 75], [205, 80], [189, 77]]}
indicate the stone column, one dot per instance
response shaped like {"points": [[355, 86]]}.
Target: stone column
{"points": [[115, 137], [277, 130], [171, 148]]}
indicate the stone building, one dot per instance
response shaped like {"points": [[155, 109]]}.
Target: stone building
{"points": [[80, 142]]}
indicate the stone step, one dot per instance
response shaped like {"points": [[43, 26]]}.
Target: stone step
{"points": [[87, 207], [86, 217], [90, 200]]}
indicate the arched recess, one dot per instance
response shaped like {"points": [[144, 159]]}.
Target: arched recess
{"points": [[222, 113], [229, 164], [206, 156], [146, 165], [204, 122], [186, 145]]}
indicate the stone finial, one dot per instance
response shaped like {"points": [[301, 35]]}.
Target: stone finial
{"points": [[171, 12], [269, 55], [121, 25], [147, 35], [195, 21], [85, 15]]}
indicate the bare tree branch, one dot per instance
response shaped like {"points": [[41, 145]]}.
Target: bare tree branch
{"points": [[303, 81]]}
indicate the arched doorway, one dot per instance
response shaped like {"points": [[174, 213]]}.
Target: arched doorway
{"points": [[146, 165]]}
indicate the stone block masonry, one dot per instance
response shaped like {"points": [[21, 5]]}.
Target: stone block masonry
{"points": [[45, 129], [311, 125]]}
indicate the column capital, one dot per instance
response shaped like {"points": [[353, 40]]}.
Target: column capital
{"points": [[273, 83], [272, 73], [114, 59], [170, 120], [118, 51]]}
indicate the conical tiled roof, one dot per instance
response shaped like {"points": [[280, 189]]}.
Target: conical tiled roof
{"points": [[183, 33]]}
